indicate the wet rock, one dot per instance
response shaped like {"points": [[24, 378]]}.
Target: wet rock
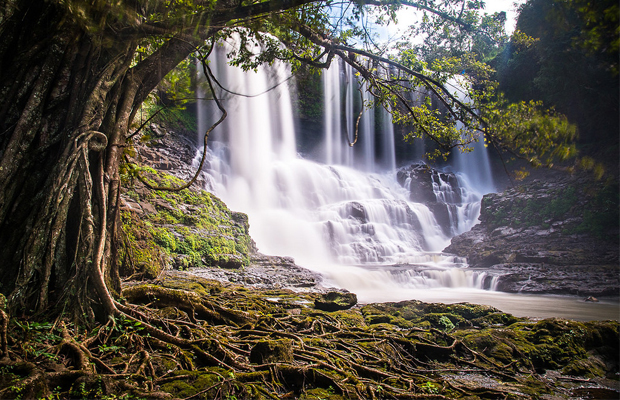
{"points": [[356, 210], [583, 280], [419, 180], [538, 238], [439, 191], [334, 301], [595, 393], [266, 272], [157, 130]]}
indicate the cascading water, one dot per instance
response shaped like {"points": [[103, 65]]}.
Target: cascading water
{"points": [[388, 153], [476, 169], [360, 229]]}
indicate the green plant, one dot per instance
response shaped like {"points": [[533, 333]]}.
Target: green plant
{"points": [[446, 324], [430, 387]]}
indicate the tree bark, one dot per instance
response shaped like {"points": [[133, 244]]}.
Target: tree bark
{"points": [[67, 97]]}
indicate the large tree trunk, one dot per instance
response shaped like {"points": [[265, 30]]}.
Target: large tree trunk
{"points": [[67, 96]]}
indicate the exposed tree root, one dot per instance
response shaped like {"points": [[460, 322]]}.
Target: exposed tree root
{"points": [[213, 351]]}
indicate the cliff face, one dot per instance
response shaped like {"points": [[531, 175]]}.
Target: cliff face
{"points": [[557, 236]]}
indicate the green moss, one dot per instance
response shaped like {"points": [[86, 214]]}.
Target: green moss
{"points": [[589, 368], [501, 352], [320, 394], [349, 318], [179, 388], [141, 254], [192, 227], [272, 351], [445, 321], [497, 318], [547, 344]]}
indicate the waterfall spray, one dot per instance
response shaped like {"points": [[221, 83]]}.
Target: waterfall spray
{"points": [[330, 217]]}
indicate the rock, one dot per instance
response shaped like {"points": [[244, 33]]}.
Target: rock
{"points": [[157, 130], [334, 301], [439, 191], [356, 210], [148, 207], [272, 351], [536, 238], [420, 182], [132, 206], [266, 272]]}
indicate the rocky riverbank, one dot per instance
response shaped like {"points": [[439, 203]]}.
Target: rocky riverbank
{"points": [[556, 236], [203, 339]]}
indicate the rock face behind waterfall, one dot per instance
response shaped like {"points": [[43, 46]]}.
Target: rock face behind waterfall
{"points": [[439, 191], [556, 236]]}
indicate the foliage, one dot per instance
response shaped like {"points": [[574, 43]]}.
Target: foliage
{"points": [[565, 53]]}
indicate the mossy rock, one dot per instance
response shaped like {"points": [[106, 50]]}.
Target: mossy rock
{"points": [[377, 319], [320, 394], [496, 318], [272, 351], [335, 301], [419, 313], [192, 382], [445, 321], [141, 256], [467, 311], [349, 318], [189, 228], [501, 352], [591, 367]]}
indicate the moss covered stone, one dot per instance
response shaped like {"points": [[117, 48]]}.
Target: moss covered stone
{"points": [[334, 301], [272, 351], [184, 229]]}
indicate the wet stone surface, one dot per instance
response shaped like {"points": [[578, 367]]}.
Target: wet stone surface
{"points": [[546, 236], [267, 272]]}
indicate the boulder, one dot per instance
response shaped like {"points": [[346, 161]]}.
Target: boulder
{"points": [[272, 351], [334, 301], [539, 238]]}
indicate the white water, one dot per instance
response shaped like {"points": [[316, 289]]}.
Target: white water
{"points": [[477, 169], [346, 217], [340, 216]]}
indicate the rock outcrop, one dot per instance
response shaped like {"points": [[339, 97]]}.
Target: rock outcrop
{"points": [[555, 236], [440, 191], [192, 229], [178, 229]]}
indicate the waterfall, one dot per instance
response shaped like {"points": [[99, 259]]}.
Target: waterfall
{"points": [[388, 151], [338, 216], [477, 170]]}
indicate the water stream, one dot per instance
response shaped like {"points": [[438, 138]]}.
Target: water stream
{"points": [[343, 215]]}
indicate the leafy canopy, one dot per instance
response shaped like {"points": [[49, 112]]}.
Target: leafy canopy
{"points": [[435, 79]]}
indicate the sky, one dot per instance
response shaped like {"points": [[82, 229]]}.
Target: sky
{"points": [[407, 16], [508, 6]]}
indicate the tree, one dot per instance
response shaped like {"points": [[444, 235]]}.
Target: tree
{"points": [[74, 74], [570, 62]]}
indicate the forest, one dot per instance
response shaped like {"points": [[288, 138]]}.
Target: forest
{"points": [[231, 199]]}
